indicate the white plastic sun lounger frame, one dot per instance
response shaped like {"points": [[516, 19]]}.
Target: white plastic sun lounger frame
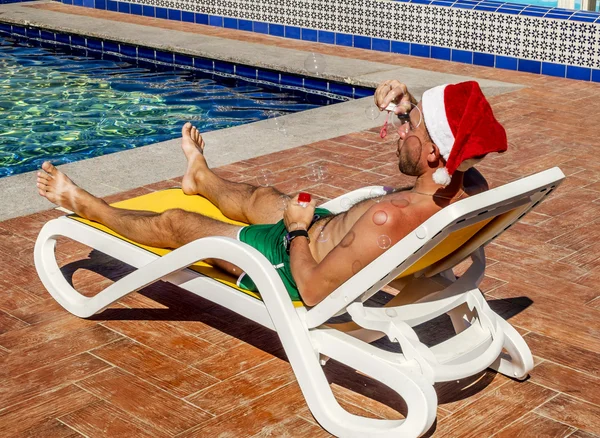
{"points": [[307, 340]]}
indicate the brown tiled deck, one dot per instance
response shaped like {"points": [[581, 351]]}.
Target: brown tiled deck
{"points": [[163, 362]]}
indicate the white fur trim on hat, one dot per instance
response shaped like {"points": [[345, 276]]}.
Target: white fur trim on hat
{"points": [[434, 112], [442, 177]]}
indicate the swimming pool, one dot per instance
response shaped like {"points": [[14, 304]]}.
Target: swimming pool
{"points": [[58, 103]]}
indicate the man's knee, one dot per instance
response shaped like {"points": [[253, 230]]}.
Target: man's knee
{"points": [[258, 198], [172, 225]]}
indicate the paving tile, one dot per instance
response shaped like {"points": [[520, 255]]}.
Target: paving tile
{"points": [[567, 381], [262, 413], [25, 226], [13, 297], [233, 361], [502, 406], [563, 353], [239, 391], [105, 420], [28, 358], [576, 413], [48, 428], [41, 310], [533, 425], [586, 258], [296, 427], [17, 419], [9, 322], [339, 147], [142, 400], [580, 238], [16, 246], [582, 434], [166, 338], [49, 378], [169, 374], [43, 332]]}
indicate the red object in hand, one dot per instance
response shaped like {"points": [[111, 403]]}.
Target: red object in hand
{"points": [[304, 197]]}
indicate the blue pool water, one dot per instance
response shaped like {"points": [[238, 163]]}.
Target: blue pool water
{"points": [[61, 106]]}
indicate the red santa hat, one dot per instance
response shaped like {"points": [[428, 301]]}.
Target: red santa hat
{"points": [[461, 123]]}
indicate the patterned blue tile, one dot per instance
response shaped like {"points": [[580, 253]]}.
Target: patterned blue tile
{"points": [[130, 51], [581, 73], [203, 63], [362, 42], [551, 69], [530, 66], [201, 18], [276, 29], [187, 17], [341, 89], [506, 62], [145, 53], [245, 25], [326, 37], [315, 84], [174, 14], [381, 45], [109, 46], [583, 18], [224, 67], [422, 50], [343, 39], [136, 9], [184, 60], [505, 10], [215, 20], [123, 7], [230, 23], [440, 53], [464, 56], [88, 4], [112, 5], [310, 35], [161, 13], [294, 81], [268, 75], [532, 13], [261, 27], [485, 59], [77, 40], [148, 11], [363, 92], [461, 6], [245, 71], [557, 16], [166, 57], [77, 2], [400, 47], [292, 32], [596, 75]]}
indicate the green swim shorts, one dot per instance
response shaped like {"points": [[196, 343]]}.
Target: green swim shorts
{"points": [[269, 240]]}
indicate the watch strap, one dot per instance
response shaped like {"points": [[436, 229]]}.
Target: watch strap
{"points": [[292, 235]]}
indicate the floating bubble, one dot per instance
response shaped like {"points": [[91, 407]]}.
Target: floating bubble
{"points": [[294, 226], [376, 194], [265, 178], [410, 120], [276, 121], [322, 236], [284, 202], [400, 203], [380, 217], [348, 239], [372, 112], [346, 203], [384, 242], [356, 266], [315, 63], [317, 172]]}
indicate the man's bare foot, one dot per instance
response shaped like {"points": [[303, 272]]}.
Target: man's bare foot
{"points": [[193, 148], [55, 186]]}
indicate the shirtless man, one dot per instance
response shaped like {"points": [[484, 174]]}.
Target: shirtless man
{"points": [[313, 268]]}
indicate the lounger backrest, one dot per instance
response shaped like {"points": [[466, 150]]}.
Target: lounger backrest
{"points": [[447, 237]]}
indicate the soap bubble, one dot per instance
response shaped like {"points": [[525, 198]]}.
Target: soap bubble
{"points": [[372, 112], [400, 203], [402, 121], [384, 242], [315, 63], [376, 194], [356, 266], [284, 202], [276, 121], [264, 178], [322, 236], [380, 217], [346, 203], [316, 172]]}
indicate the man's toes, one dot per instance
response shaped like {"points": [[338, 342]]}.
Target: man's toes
{"points": [[186, 128], [42, 193], [43, 176], [49, 168]]}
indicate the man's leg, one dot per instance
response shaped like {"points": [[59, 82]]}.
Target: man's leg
{"points": [[170, 229], [238, 201]]}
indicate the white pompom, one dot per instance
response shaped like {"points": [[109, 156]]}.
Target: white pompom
{"points": [[442, 177]]}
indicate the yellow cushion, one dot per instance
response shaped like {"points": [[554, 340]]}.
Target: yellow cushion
{"points": [[175, 198]]}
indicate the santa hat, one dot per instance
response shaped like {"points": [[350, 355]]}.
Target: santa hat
{"points": [[461, 123]]}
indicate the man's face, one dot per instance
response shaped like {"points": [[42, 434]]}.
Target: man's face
{"points": [[413, 137]]}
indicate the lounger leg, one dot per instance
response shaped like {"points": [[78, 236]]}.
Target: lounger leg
{"points": [[520, 361]]}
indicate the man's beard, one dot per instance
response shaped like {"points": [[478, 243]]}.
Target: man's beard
{"points": [[408, 162]]}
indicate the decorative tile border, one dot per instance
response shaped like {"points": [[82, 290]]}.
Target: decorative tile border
{"points": [[551, 41], [141, 55]]}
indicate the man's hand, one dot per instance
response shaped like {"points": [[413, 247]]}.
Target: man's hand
{"points": [[299, 215], [393, 91]]}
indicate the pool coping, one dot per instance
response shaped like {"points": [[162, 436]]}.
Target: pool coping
{"points": [[130, 169]]}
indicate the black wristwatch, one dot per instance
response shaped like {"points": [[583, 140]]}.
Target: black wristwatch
{"points": [[287, 239]]}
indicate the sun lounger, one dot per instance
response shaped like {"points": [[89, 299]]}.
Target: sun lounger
{"points": [[420, 264]]}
